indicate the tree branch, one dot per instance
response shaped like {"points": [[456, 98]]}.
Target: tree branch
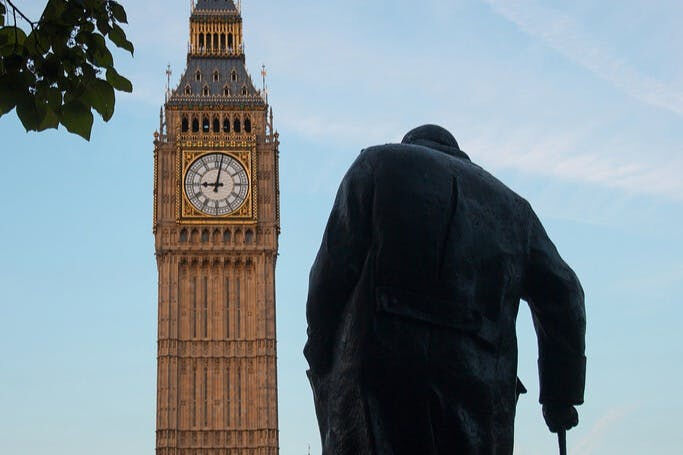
{"points": [[16, 34], [33, 24], [17, 10]]}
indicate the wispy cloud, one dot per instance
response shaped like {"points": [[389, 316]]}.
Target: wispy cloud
{"points": [[563, 156], [566, 36], [590, 443], [560, 155], [586, 153], [358, 91]]}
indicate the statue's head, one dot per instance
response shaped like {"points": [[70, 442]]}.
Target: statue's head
{"points": [[435, 137]]}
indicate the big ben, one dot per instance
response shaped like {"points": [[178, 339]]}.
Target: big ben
{"points": [[216, 225]]}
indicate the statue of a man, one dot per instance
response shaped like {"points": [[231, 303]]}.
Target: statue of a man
{"points": [[412, 305]]}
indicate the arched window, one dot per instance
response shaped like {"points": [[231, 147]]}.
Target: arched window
{"points": [[201, 41], [208, 41], [198, 75], [244, 90], [230, 42], [205, 90], [226, 91], [205, 125], [195, 125], [188, 90], [233, 75], [226, 237], [205, 236], [185, 125], [236, 126], [249, 237], [194, 236], [247, 125], [216, 125], [215, 41], [216, 76], [183, 236], [226, 125], [223, 41]]}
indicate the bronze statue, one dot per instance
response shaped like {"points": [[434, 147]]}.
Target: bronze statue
{"points": [[412, 305]]}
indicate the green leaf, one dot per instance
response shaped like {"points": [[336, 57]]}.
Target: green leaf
{"points": [[51, 121], [83, 37], [60, 44], [12, 41], [100, 95], [74, 93], [34, 45], [51, 67], [97, 49], [51, 96], [73, 14], [118, 12], [119, 82], [102, 20], [31, 113], [14, 63], [14, 87], [53, 10], [10, 90], [118, 37], [88, 27], [77, 119]]}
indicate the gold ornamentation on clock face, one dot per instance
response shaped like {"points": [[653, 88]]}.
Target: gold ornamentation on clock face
{"points": [[216, 184]]}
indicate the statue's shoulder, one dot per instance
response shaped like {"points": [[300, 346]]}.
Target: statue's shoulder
{"points": [[394, 153], [373, 157], [378, 151]]}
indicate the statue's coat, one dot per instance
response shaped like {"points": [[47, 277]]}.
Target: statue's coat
{"points": [[412, 305]]}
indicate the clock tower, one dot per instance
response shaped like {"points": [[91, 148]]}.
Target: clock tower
{"points": [[216, 226]]}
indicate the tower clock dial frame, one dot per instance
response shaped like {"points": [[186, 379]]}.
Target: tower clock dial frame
{"points": [[216, 183]]}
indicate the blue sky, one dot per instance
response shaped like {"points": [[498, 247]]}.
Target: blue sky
{"points": [[575, 105]]}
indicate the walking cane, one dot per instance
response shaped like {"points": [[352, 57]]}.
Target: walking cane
{"points": [[562, 439]]}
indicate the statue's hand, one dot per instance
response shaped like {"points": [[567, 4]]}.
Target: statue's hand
{"points": [[560, 417]]}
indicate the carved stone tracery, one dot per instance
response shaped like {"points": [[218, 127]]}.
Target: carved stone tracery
{"points": [[216, 275]]}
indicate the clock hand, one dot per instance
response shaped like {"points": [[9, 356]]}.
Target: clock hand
{"points": [[206, 184], [218, 177]]}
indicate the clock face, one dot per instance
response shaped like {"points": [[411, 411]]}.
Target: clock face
{"points": [[216, 184]]}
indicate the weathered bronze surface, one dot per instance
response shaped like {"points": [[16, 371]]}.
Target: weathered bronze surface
{"points": [[412, 305]]}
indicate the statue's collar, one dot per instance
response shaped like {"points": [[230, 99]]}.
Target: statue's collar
{"points": [[448, 149]]}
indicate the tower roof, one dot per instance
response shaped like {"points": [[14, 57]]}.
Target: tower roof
{"points": [[216, 74], [215, 5], [216, 81]]}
